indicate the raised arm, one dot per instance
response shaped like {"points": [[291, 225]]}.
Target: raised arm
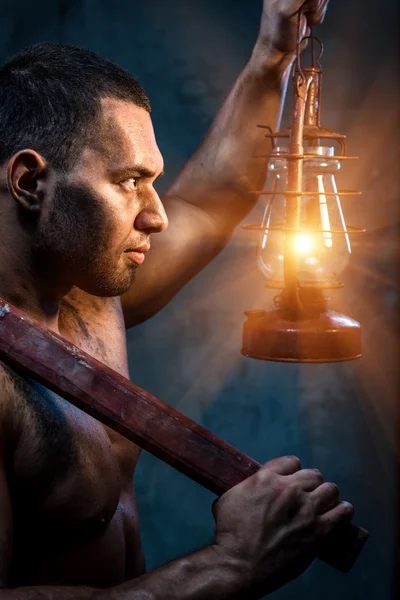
{"points": [[209, 198]]}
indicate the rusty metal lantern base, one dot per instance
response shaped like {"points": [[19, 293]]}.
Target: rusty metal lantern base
{"points": [[325, 337]]}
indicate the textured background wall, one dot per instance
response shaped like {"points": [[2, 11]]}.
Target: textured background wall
{"points": [[340, 418]]}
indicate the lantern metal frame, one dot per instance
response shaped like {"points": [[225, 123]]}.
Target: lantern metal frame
{"points": [[300, 328]]}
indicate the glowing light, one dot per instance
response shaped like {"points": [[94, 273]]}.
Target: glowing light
{"points": [[303, 244]]}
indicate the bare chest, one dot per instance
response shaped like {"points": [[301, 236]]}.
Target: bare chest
{"points": [[72, 478]]}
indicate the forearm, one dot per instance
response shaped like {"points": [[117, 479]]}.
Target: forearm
{"points": [[203, 575], [224, 168]]}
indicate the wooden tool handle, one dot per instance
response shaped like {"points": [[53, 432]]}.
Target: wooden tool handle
{"points": [[141, 417]]}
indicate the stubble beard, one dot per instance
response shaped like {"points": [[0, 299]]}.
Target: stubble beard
{"points": [[73, 243]]}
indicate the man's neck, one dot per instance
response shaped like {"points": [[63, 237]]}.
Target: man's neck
{"points": [[20, 286]]}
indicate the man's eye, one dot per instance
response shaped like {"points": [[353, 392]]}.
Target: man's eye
{"points": [[131, 182]]}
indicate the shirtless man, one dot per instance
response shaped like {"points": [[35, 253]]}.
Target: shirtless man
{"points": [[78, 207]]}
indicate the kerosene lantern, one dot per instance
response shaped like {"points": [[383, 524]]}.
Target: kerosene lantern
{"points": [[304, 242]]}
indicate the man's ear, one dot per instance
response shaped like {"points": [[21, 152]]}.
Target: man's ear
{"points": [[26, 173]]}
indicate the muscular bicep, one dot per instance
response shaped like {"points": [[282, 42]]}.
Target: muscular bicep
{"points": [[192, 239]]}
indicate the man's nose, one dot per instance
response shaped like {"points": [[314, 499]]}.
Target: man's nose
{"points": [[152, 218]]}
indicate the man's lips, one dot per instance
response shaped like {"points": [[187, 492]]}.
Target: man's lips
{"points": [[137, 254]]}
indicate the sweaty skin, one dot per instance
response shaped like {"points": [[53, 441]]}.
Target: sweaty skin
{"points": [[68, 513]]}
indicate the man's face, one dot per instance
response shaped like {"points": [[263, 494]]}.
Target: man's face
{"points": [[104, 210]]}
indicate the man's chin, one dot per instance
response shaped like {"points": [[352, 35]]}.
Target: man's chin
{"points": [[108, 289]]}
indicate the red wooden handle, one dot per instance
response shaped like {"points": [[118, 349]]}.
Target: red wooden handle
{"points": [[139, 416]]}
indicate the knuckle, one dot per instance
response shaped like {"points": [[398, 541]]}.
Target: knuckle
{"points": [[283, 487], [291, 489], [332, 489], [295, 461], [347, 510], [261, 475], [318, 474], [269, 465], [308, 511], [262, 479]]}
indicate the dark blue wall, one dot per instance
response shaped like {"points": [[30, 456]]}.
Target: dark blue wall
{"points": [[339, 418]]}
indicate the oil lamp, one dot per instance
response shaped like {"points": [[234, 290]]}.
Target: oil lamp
{"points": [[304, 242]]}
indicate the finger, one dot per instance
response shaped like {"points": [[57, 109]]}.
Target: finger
{"points": [[340, 514], [304, 29], [290, 8], [284, 465], [315, 12], [325, 497], [308, 479]]}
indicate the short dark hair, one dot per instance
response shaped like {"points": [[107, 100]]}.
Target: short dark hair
{"points": [[50, 100]]}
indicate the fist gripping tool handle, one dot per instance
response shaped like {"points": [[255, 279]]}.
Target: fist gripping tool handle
{"points": [[136, 414]]}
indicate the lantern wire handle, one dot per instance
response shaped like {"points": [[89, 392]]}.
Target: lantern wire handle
{"points": [[314, 60]]}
